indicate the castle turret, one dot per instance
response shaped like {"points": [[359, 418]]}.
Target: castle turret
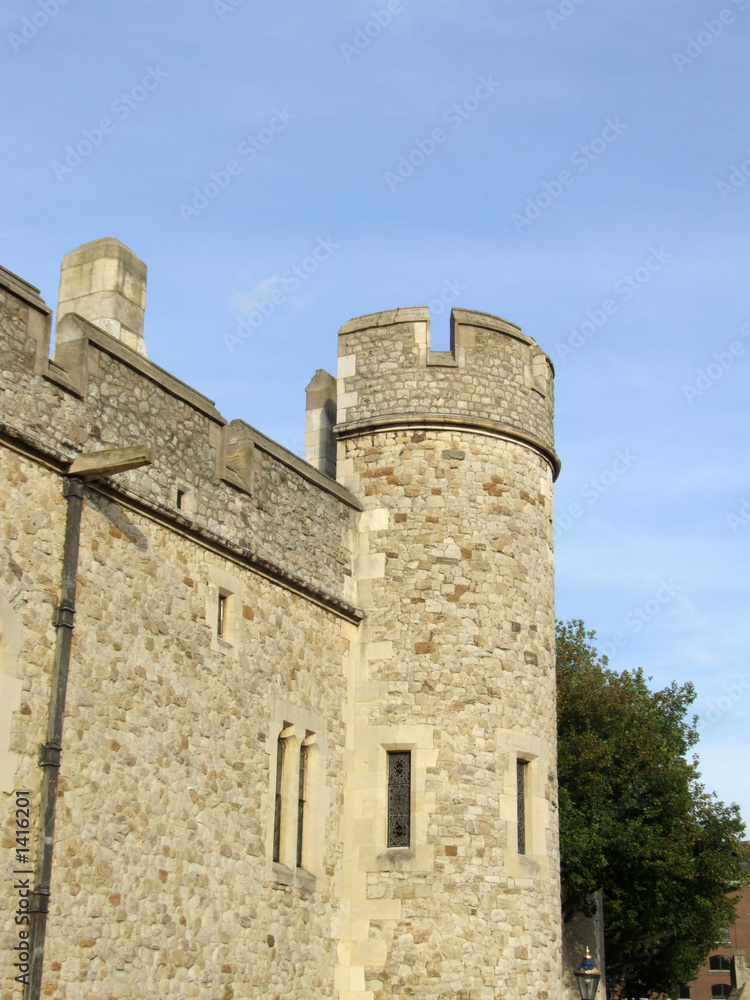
{"points": [[451, 812]]}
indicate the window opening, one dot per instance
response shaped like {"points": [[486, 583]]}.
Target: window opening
{"points": [[399, 798], [277, 802], [179, 498], [303, 752], [521, 766], [719, 963], [221, 619], [721, 990]]}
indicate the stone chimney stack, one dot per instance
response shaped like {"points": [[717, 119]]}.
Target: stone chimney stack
{"points": [[320, 441], [105, 282]]}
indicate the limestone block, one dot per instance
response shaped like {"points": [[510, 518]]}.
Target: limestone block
{"points": [[105, 282]]}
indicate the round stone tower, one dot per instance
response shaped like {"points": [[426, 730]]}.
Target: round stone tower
{"points": [[450, 817]]}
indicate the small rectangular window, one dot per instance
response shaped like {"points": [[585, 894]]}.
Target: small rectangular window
{"points": [[683, 993], [179, 497], [721, 990], [399, 798], [521, 766], [303, 752], [277, 800], [221, 618]]}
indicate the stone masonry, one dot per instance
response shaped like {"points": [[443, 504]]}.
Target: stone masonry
{"points": [[254, 634]]}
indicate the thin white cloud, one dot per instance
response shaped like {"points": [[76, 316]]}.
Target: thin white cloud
{"points": [[245, 302]]}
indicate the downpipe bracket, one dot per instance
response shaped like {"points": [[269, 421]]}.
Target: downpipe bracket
{"points": [[64, 615], [50, 754]]}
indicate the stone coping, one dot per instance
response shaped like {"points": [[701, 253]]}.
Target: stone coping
{"points": [[298, 465], [59, 462], [34, 448], [110, 345], [421, 314], [486, 321], [239, 554], [23, 289], [411, 314]]}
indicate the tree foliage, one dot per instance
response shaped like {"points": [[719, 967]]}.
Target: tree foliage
{"points": [[636, 823]]}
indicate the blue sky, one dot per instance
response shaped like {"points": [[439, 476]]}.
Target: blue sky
{"points": [[587, 183]]}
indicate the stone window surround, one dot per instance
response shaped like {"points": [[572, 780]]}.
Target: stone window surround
{"points": [[392, 781], [514, 746], [371, 790], [230, 587], [183, 498], [521, 806], [297, 727]]}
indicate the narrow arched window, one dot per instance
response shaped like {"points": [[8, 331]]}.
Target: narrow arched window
{"points": [[221, 616], [277, 801], [521, 766], [303, 756]]}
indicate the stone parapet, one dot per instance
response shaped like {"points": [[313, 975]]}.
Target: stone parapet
{"points": [[492, 371]]}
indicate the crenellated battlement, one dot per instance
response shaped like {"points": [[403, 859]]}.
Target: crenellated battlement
{"points": [[493, 376]]}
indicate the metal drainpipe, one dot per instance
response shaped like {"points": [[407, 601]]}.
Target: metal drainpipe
{"points": [[51, 751]]}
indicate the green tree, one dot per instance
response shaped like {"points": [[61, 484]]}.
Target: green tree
{"points": [[636, 823]]}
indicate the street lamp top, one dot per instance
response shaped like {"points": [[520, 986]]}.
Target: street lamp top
{"points": [[588, 977]]}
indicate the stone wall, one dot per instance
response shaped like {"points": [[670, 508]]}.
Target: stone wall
{"points": [[407, 605], [163, 879]]}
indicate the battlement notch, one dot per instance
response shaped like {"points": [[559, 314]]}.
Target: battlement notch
{"points": [[493, 373]]}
